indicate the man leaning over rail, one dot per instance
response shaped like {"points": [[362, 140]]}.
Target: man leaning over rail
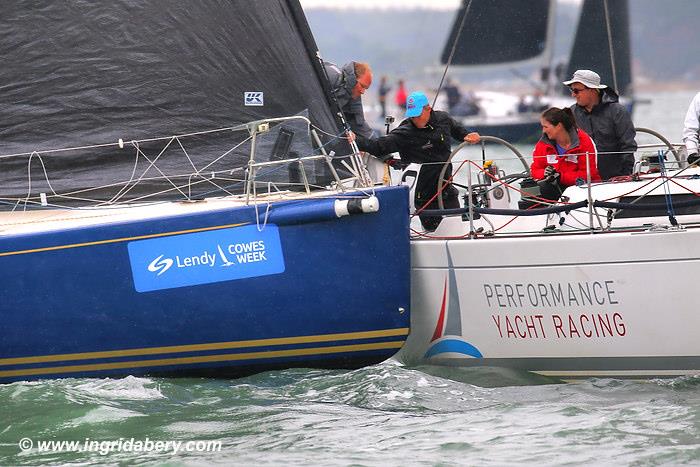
{"points": [[424, 137], [691, 128], [348, 84], [598, 113]]}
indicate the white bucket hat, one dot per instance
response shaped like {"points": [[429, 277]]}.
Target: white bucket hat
{"points": [[588, 78]]}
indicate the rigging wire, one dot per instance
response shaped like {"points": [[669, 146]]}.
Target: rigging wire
{"points": [[452, 52], [610, 45], [120, 144], [134, 179], [667, 192]]}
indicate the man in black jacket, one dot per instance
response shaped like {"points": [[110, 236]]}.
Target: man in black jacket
{"points": [[598, 113], [424, 137]]}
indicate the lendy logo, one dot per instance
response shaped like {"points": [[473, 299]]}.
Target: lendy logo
{"points": [[206, 257], [240, 253], [160, 265]]}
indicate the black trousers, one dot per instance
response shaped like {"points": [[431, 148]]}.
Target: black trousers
{"points": [[450, 198], [550, 190]]}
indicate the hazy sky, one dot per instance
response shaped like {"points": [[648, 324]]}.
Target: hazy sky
{"points": [[384, 4], [387, 4]]}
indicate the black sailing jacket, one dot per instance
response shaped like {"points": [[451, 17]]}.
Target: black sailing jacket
{"points": [[420, 145]]}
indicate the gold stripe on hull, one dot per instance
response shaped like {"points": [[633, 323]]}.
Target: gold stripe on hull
{"points": [[201, 359], [205, 347], [119, 240]]}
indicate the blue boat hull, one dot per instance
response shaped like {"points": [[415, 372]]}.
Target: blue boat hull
{"points": [[139, 298]]}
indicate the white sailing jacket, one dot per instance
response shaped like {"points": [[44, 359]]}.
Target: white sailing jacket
{"points": [[692, 125]]}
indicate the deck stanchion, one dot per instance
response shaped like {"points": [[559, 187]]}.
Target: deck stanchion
{"points": [[469, 202], [590, 199], [302, 170], [251, 167], [328, 159]]}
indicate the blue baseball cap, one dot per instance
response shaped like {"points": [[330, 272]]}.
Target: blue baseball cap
{"points": [[415, 103]]}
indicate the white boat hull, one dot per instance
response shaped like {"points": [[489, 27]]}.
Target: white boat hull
{"points": [[568, 305]]}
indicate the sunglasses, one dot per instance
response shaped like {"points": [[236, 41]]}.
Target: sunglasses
{"points": [[575, 91]]}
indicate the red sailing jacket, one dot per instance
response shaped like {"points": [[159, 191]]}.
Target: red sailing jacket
{"points": [[569, 165]]}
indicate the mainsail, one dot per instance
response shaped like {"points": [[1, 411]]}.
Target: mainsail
{"points": [[591, 49], [501, 32], [78, 73]]}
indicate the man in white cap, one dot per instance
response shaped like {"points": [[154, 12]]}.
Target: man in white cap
{"points": [[424, 137], [608, 123]]}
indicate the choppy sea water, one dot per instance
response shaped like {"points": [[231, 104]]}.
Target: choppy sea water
{"points": [[386, 414]]}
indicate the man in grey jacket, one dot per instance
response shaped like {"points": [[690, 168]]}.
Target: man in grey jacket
{"points": [[608, 123], [348, 84]]}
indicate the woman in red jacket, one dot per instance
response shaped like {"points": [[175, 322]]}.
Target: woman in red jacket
{"points": [[559, 158]]}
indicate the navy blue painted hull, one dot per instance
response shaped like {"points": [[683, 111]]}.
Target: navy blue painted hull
{"points": [[342, 299]]}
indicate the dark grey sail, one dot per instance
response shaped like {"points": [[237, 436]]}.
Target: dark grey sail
{"points": [[79, 73], [591, 49], [499, 32]]}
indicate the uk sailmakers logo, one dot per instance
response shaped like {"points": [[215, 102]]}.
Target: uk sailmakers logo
{"points": [[255, 98], [205, 257]]}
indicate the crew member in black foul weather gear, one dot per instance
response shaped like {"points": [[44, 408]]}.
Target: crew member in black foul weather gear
{"points": [[424, 137]]}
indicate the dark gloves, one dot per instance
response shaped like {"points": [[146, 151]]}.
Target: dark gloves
{"points": [[693, 158], [550, 172]]}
